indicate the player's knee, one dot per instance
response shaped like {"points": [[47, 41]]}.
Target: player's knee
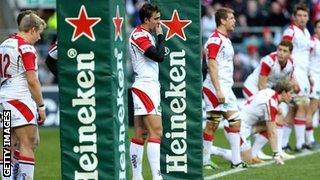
{"points": [[213, 118], [234, 121]]}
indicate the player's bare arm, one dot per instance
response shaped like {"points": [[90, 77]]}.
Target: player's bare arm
{"points": [[213, 71], [262, 82], [35, 90]]}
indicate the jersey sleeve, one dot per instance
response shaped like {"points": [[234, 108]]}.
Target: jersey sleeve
{"points": [[141, 40], [28, 56], [288, 34], [265, 66], [213, 47]]}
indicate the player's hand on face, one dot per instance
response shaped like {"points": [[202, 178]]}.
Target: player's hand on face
{"points": [[42, 116], [220, 97], [159, 29]]}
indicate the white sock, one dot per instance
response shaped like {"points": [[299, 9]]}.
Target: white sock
{"points": [[153, 151], [207, 143], [136, 155], [234, 139], [309, 135], [26, 167], [259, 141], [286, 135], [300, 128], [225, 153], [280, 134]]}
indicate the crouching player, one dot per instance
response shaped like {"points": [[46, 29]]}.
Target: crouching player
{"points": [[263, 107]]}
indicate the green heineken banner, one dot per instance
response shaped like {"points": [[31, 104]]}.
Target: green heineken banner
{"points": [[181, 87], [93, 92]]}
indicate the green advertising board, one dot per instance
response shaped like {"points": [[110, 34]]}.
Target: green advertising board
{"points": [[93, 90], [181, 88]]}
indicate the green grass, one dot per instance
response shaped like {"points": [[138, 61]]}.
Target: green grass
{"points": [[48, 155], [48, 161], [299, 168]]}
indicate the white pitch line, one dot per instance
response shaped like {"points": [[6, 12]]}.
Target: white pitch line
{"points": [[232, 171]]}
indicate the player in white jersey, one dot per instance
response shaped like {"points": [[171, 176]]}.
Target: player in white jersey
{"points": [[263, 107], [52, 59], [217, 88], [20, 90], [272, 68], [315, 88], [146, 53], [298, 34]]}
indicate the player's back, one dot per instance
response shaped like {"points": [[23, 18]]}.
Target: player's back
{"points": [[257, 104], [13, 80], [144, 68]]}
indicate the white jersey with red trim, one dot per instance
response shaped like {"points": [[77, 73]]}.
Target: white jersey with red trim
{"points": [[53, 51], [301, 46], [261, 106], [144, 68], [16, 57], [219, 48], [269, 66], [315, 57]]}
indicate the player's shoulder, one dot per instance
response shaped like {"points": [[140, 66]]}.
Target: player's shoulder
{"points": [[270, 58], [214, 38], [290, 30], [139, 32]]}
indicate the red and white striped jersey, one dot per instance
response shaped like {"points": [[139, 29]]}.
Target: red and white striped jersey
{"points": [[219, 48], [300, 39], [144, 68], [262, 106], [16, 57], [269, 66], [53, 51]]}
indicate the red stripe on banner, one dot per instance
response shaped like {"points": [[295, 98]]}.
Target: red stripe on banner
{"points": [[137, 141], [247, 91], [299, 121], [154, 140], [207, 137], [147, 102], [212, 98], [24, 109]]}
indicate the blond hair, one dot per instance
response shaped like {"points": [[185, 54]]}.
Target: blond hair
{"points": [[30, 21]]}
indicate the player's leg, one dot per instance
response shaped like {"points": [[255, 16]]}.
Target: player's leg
{"points": [[136, 147], [212, 123], [287, 127], [153, 124], [28, 138], [302, 103], [309, 124], [233, 118]]}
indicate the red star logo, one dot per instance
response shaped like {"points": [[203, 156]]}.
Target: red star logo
{"points": [[176, 26], [117, 22], [83, 25]]}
